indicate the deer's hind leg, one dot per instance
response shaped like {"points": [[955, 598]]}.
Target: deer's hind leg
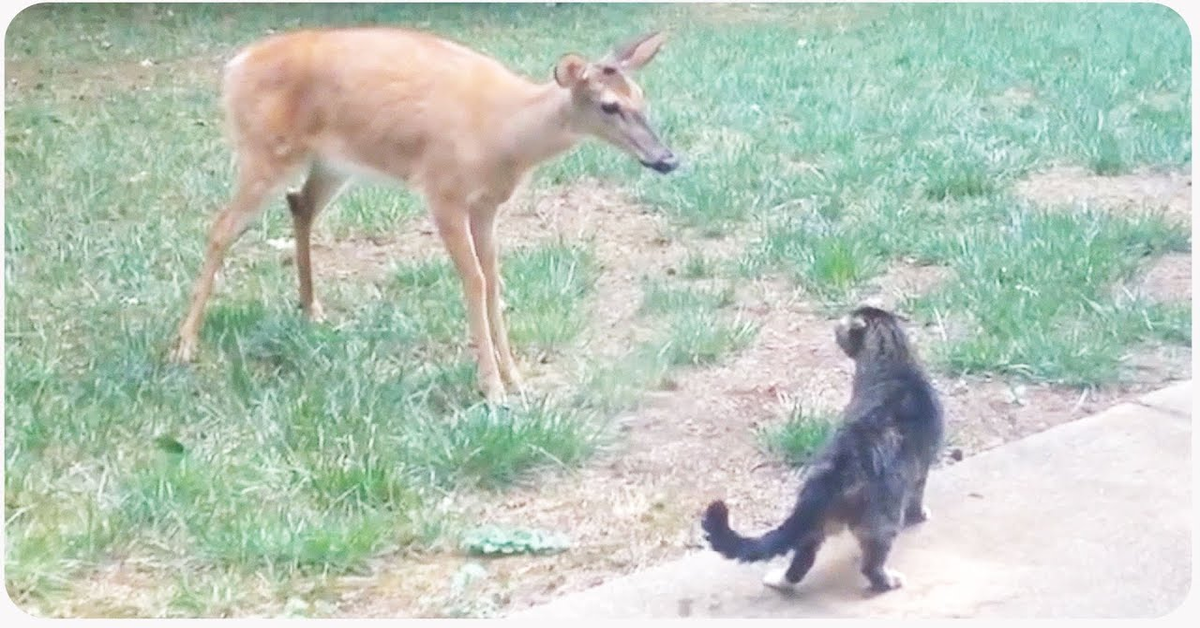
{"points": [[259, 176], [320, 189]]}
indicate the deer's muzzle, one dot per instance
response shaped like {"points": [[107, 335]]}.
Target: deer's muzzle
{"points": [[664, 164]]}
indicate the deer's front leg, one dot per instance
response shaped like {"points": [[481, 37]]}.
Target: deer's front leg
{"points": [[454, 228], [483, 234]]}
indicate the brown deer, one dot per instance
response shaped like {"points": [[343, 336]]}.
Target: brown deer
{"points": [[417, 109]]}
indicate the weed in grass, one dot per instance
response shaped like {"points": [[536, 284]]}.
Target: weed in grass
{"points": [[959, 180], [1106, 160], [699, 337], [544, 291], [829, 260], [696, 332], [494, 446], [619, 386], [697, 266], [799, 436], [659, 298], [373, 210]]}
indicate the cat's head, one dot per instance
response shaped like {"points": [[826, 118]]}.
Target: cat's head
{"points": [[869, 331]]}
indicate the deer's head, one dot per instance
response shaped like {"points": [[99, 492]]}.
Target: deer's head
{"points": [[609, 105]]}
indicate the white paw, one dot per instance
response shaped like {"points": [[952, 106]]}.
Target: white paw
{"points": [[777, 579], [893, 579]]}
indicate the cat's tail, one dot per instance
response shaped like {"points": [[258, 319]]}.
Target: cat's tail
{"points": [[809, 513]]}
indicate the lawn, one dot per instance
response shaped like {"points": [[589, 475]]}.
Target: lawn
{"points": [[295, 466]]}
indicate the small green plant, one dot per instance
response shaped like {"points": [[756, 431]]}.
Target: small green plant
{"points": [[799, 436], [1106, 159], [659, 298], [544, 292], [959, 180], [508, 541], [495, 446], [699, 337], [828, 259], [697, 266]]}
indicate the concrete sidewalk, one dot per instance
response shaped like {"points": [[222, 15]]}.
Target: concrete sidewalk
{"points": [[1087, 519]]}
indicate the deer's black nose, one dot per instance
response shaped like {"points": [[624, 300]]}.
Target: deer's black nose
{"points": [[664, 164]]}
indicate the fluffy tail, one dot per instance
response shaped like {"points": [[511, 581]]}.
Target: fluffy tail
{"points": [[809, 513]]}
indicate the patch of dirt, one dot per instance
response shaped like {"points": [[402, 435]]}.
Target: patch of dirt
{"points": [[117, 589], [1164, 101], [1143, 191], [1168, 278], [904, 280], [96, 81], [1014, 97], [366, 258], [1150, 365], [838, 17]]}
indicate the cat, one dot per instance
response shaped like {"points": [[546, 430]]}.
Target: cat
{"points": [[870, 475]]}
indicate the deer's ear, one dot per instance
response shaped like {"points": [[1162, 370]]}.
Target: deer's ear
{"points": [[570, 70], [636, 53]]}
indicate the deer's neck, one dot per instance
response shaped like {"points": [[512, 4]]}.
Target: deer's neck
{"points": [[539, 127]]}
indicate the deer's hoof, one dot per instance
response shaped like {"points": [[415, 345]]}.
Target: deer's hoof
{"points": [[183, 352], [493, 391], [315, 312]]}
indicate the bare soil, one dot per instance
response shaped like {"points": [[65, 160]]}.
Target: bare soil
{"points": [[1168, 278], [1147, 190], [87, 83]]}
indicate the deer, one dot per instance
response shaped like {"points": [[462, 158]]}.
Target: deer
{"points": [[413, 108]]}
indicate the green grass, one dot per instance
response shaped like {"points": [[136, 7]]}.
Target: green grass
{"points": [[698, 338], [697, 266], [1106, 158], [659, 297], [544, 288], [842, 138], [694, 328], [697, 331], [827, 258], [1039, 288], [798, 436]]}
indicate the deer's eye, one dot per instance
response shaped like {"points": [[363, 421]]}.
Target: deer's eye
{"points": [[610, 107]]}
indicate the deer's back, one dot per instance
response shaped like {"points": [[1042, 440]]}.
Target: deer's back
{"points": [[361, 94]]}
